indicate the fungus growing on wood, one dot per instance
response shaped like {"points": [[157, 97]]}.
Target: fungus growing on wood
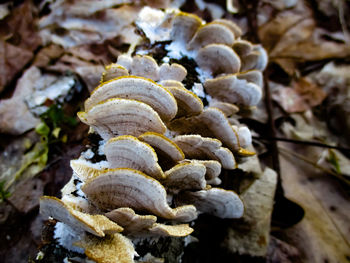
{"points": [[145, 225], [198, 147], [216, 201], [188, 103], [232, 89], [218, 59], [150, 121], [137, 88], [139, 191], [185, 176], [128, 152], [122, 117], [97, 225]]}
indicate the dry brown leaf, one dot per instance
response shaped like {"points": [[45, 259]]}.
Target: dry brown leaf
{"points": [[289, 99], [15, 117], [45, 56], [13, 59], [291, 36], [79, 28], [18, 41], [89, 72], [323, 235], [301, 96], [22, 25], [311, 94]]}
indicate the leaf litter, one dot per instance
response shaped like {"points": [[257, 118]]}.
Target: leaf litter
{"points": [[54, 38]]}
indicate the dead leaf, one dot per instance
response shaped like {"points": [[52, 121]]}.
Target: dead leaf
{"points": [[300, 97], [13, 59], [311, 94], [27, 194], [68, 26], [291, 37], [323, 235], [48, 54], [4, 10], [288, 98], [280, 251], [18, 40], [15, 117], [89, 72], [22, 25]]}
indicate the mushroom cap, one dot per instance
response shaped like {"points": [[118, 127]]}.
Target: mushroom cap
{"points": [[211, 33], [218, 58], [185, 176], [172, 72], [113, 71], [125, 61], [257, 59], [244, 135], [218, 124], [184, 27], [139, 192], [111, 249], [242, 47], [97, 225], [213, 168], [163, 146], [231, 89], [145, 225], [214, 181], [128, 152], [85, 170], [131, 222], [253, 76], [122, 117], [188, 103], [144, 66], [138, 88], [198, 147], [227, 108], [216, 201], [181, 230], [212, 122], [236, 30]]}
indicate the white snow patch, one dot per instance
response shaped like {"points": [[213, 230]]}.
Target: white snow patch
{"points": [[66, 236], [152, 23], [177, 50], [203, 75], [101, 147], [198, 90], [88, 154]]}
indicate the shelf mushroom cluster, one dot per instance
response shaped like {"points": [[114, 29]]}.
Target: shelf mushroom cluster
{"points": [[164, 149]]}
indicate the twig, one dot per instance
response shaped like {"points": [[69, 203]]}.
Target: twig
{"points": [[250, 10], [311, 143], [273, 144]]}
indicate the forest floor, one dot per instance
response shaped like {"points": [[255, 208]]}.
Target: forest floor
{"points": [[301, 129]]}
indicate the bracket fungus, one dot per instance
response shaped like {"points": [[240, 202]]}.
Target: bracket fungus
{"points": [[198, 147], [216, 201], [150, 118], [122, 117], [128, 152]]}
